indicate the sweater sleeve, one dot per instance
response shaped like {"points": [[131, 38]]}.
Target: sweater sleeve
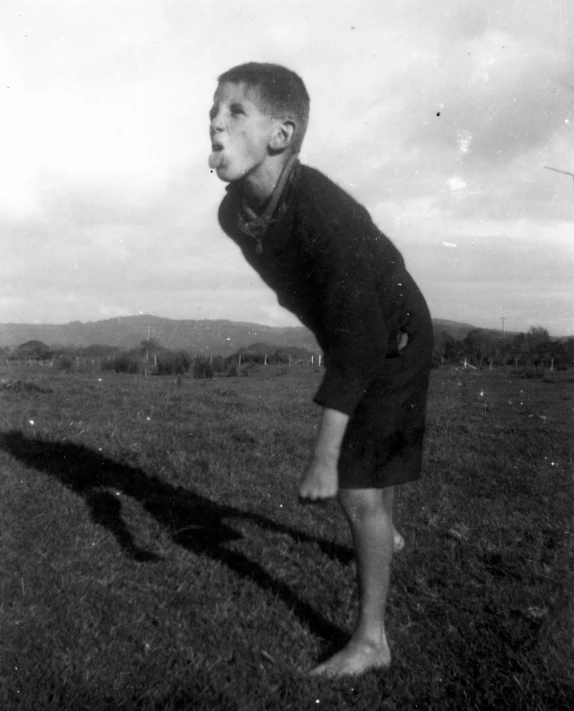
{"points": [[355, 334]]}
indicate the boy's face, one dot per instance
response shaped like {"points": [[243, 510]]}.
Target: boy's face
{"points": [[240, 133]]}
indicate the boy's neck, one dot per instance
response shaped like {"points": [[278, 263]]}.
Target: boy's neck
{"points": [[257, 187]]}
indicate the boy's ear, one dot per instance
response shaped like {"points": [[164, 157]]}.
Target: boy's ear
{"points": [[282, 135]]}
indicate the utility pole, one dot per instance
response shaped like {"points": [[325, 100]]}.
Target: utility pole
{"points": [[147, 349], [503, 319]]}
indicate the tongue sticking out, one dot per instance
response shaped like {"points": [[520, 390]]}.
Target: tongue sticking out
{"points": [[216, 159]]}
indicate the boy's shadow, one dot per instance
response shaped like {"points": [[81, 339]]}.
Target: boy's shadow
{"points": [[193, 521]]}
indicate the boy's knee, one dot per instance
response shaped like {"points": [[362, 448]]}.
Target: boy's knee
{"points": [[361, 502]]}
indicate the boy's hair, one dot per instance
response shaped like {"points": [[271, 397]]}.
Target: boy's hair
{"points": [[280, 90]]}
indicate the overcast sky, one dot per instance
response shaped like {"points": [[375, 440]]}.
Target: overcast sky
{"points": [[438, 115]]}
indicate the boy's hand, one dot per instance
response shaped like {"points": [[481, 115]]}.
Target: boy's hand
{"points": [[320, 480]]}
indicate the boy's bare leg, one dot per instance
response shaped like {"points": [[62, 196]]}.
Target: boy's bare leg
{"points": [[369, 512]]}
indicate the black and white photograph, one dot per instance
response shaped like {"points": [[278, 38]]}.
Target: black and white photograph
{"points": [[286, 355]]}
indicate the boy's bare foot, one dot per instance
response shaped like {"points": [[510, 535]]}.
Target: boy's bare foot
{"points": [[398, 541], [358, 657], [320, 482]]}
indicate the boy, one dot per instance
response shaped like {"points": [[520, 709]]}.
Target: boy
{"points": [[329, 265]]}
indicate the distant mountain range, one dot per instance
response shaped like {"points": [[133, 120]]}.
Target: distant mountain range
{"points": [[206, 337]]}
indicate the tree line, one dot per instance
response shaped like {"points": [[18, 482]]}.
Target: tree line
{"points": [[482, 347], [150, 357]]}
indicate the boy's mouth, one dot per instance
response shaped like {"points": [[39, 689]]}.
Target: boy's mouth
{"points": [[217, 156]]}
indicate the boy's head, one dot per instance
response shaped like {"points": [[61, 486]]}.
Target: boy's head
{"points": [[259, 111], [277, 90]]}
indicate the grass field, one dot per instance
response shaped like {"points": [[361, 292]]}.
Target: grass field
{"points": [[154, 555]]}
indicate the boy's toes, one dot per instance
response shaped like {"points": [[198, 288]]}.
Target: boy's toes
{"points": [[353, 660]]}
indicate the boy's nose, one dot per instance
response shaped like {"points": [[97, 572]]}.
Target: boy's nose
{"points": [[216, 123]]}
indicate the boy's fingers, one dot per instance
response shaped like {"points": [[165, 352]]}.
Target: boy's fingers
{"points": [[314, 502]]}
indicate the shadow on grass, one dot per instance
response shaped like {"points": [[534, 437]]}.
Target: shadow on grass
{"points": [[194, 521]]}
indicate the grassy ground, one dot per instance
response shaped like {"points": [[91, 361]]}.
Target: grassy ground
{"points": [[155, 557]]}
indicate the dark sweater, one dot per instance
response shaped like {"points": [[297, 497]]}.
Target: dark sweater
{"points": [[345, 280]]}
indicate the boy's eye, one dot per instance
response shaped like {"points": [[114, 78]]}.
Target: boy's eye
{"points": [[236, 109]]}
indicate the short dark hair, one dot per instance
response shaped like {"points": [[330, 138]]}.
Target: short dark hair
{"points": [[281, 90]]}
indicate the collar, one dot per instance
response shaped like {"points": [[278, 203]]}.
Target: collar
{"points": [[255, 226]]}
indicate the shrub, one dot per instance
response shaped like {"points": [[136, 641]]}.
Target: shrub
{"points": [[217, 364], [202, 368], [65, 363], [249, 369], [173, 363], [33, 350], [107, 365], [528, 372], [122, 363]]}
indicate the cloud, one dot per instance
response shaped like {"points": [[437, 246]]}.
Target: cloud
{"points": [[438, 116]]}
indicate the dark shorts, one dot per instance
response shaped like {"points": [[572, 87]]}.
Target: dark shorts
{"points": [[383, 443]]}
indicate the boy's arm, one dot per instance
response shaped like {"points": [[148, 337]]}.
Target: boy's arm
{"points": [[330, 436], [321, 480], [352, 322]]}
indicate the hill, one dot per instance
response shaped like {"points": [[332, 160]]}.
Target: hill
{"points": [[209, 337], [456, 330]]}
